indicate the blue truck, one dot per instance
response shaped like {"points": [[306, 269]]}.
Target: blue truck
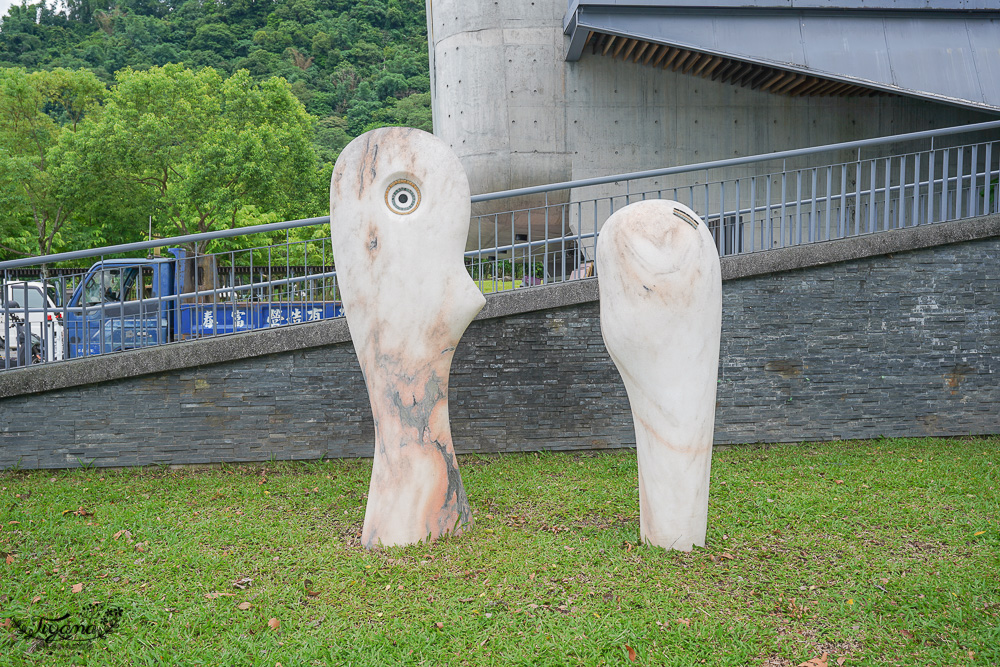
{"points": [[124, 304]]}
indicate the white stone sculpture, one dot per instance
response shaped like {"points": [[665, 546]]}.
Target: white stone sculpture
{"points": [[399, 216], [661, 317]]}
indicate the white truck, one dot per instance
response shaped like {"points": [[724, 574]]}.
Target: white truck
{"points": [[31, 326]]}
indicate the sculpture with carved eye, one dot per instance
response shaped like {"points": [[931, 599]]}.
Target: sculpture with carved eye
{"points": [[402, 197]]}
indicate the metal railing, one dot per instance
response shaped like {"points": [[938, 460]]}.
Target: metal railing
{"points": [[754, 203], [282, 273]]}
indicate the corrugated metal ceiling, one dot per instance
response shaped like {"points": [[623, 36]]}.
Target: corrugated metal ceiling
{"points": [[951, 56]]}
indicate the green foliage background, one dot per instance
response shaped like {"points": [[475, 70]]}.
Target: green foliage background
{"points": [[352, 64]]}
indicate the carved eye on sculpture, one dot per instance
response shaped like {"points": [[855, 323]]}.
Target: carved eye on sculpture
{"points": [[402, 197]]}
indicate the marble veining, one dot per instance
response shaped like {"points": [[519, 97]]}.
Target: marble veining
{"points": [[399, 216], [661, 318]]}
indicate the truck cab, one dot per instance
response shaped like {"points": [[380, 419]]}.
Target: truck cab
{"points": [[121, 304]]}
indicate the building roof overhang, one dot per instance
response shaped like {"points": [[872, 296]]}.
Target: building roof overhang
{"points": [[943, 50]]}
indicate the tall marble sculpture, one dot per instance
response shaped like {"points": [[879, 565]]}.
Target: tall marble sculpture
{"points": [[661, 317], [399, 216]]}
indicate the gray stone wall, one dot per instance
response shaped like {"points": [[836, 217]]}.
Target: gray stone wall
{"points": [[900, 344]]}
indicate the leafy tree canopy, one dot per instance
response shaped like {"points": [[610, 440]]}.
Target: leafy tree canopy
{"points": [[38, 110], [194, 149], [350, 65]]}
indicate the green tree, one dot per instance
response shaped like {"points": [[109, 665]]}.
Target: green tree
{"points": [[38, 111], [197, 151]]}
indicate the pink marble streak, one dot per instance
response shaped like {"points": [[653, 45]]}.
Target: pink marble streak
{"points": [[408, 300], [661, 318]]}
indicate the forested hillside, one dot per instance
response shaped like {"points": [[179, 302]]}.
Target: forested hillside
{"points": [[84, 82]]}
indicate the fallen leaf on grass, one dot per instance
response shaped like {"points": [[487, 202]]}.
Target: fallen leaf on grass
{"points": [[80, 511], [212, 596], [906, 633], [841, 660], [77, 588], [439, 625], [10, 559], [273, 624], [243, 606], [686, 622], [631, 653], [35, 599], [816, 662], [123, 532], [976, 534], [243, 583]]}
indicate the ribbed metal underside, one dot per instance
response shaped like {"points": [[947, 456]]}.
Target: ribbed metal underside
{"points": [[719, 68]]}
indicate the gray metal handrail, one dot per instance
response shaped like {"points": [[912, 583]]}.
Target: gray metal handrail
{"points": [[629, 176], [736, 161]]}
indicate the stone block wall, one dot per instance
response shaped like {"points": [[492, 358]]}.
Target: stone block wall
{"points": [[899, 344]]}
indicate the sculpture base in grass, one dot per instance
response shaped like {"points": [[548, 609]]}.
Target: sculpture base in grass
{"points": [[661, 318], [399, 217]]}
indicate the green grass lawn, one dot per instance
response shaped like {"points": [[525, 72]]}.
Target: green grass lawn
{"points": [[875, 553], [489, 285]]}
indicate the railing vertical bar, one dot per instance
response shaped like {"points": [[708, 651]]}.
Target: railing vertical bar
{"points": [[722, 218], [959, 177], [580, 223], [496, 244], [973, 205], [48, 342], [829, 204], [6, 321], [478, 268], [545, 259], [232, 291], [65, 301], [886, 180], [872, 185], [138, 339], [770, 222], [737, 223], [784, 198], [988, 184], [797, 239], [812, 211], [901, 206], [289, 290], [101, 321], [857, 197], [250, 311], [945, 170], [707, 209], [9, 330], [513, 252], [842, 215], [528, 263], [930, 217]]}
